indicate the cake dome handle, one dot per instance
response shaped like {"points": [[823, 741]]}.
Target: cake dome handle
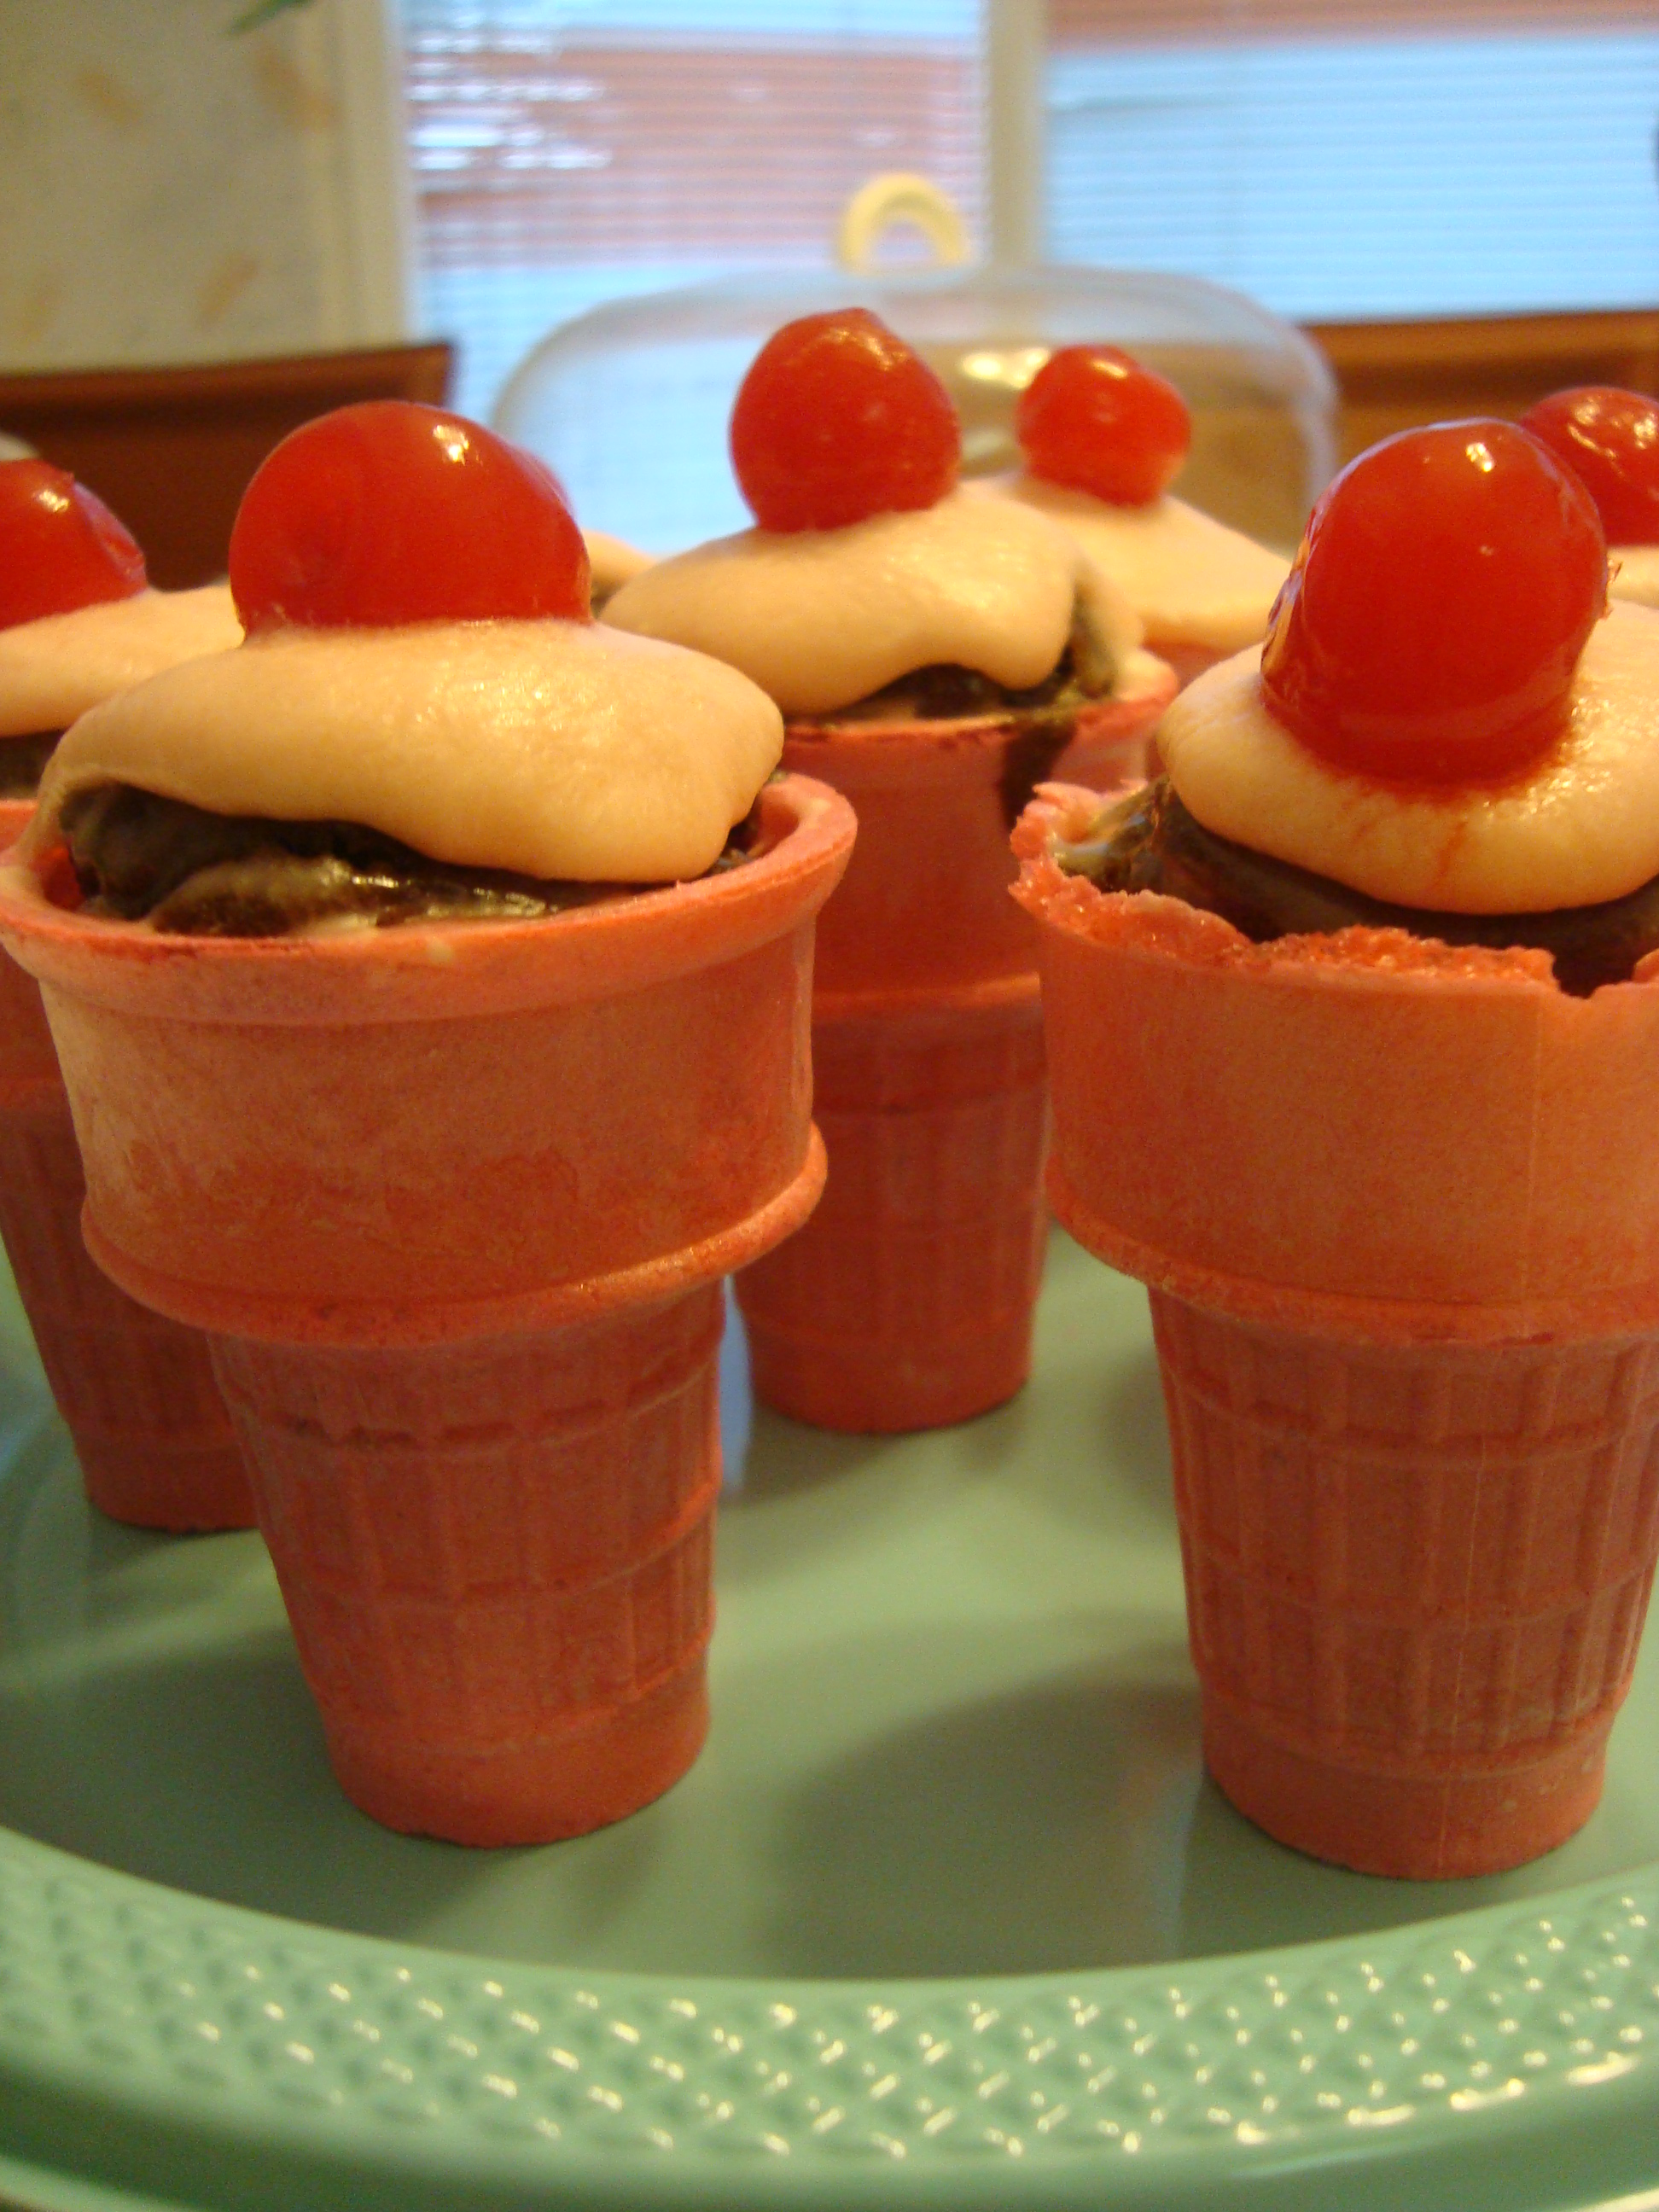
{"points": [[899, 195]]}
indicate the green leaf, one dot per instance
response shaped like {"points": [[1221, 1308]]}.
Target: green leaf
{"points": [[262, 12]]}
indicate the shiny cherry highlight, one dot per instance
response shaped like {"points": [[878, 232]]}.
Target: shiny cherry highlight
{"points": [[1610, 440], [839, 420], [1094, 419], [60, 547], [389, 513], [1431, 627]]}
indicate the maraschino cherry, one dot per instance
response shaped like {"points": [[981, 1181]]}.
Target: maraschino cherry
{"points": [[1094, 419], [838, 420], [1430, 626], [389, 513], [60, 547], [1610, 440]]}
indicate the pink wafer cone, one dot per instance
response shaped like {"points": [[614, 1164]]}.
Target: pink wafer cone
{"points": [[136, 1392], [1399, 1217], [455, 1200], [1416, 1576], [495, 1556], [907, 1301]]}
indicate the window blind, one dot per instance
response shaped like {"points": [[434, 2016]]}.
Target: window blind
{"points": [[1337, 159], [1090, 22], [561, 157], [1362, 163]]}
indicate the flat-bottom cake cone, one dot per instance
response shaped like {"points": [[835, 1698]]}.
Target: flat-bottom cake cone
{"points": [[1396, 1206], [1416, 1576], [907, 1300], [496, 1560], [136, 1392], [454, 1200]]}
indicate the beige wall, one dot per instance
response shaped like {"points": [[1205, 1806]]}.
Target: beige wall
{"points": [[170, 192]]}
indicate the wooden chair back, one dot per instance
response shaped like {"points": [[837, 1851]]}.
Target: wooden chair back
{"points": [[1393, 376], [171, 450]]}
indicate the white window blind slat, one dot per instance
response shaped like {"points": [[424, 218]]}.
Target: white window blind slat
{"points": [[1362, 177]]}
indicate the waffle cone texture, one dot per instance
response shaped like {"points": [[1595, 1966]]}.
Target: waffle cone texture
{"points": [[1399, 1217], [136, 1392], [453, 1200], [907, 1301], [497, 1561]]}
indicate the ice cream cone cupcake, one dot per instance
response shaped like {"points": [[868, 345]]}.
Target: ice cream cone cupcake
{"points": [[1102, 438], [934, 655], [78, 625], [452, 1047], [1352, 1022], [1609, 439]]}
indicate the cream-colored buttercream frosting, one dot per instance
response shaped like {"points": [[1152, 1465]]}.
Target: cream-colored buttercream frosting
{"points": [[1192, 581], [1581, 827], [555, 749], [52, 670], [820, 618], [1634, 574], [611, 562]]}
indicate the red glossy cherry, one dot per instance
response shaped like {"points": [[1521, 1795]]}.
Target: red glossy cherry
{"points": [[1430, 628], [389, 513], [60, 547], [1094, 419], [838, 420], [1610, 440]]}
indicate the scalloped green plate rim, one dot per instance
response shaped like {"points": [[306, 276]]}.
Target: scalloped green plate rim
{"points": [[168, 2115]]}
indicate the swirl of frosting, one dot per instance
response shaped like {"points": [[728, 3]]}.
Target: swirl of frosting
{"points": [[558, 750], [1580, 826], [1192, 581], [53, 669], [819, 619]]}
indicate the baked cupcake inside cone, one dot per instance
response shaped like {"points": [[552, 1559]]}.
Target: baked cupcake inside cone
{"points": [[333, 773]]}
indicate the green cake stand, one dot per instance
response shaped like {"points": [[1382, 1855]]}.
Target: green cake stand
{"points": [[946, 1915]]}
